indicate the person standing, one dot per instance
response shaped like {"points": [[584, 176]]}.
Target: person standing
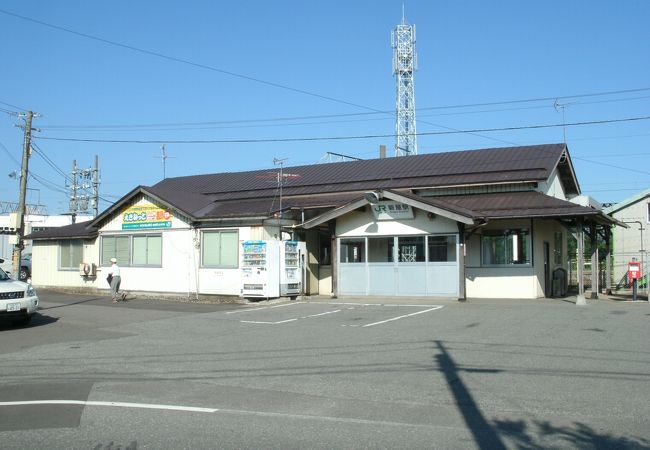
{"points": [[115, 280]]}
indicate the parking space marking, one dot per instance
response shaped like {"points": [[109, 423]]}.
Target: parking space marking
{"points": [[116, 404], [264, 307], [290, 320], [350, 304], [402, 317]]}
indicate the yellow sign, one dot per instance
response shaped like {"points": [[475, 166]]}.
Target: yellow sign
{"points": [[142, 217]]}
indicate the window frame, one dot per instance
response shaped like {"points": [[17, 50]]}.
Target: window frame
{"points": [[104, 257], [220, 265], [363, 259], [132, 250], [60, 247], [503, 233], [447, 237]]}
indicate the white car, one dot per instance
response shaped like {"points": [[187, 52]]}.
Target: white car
{"points": [[18, 300], [6, 264]]}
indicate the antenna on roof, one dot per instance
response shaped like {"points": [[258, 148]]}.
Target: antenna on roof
{"points": [[280, 162], [557, 105], [164, 159], [329, 157]]}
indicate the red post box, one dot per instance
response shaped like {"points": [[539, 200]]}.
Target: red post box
{"points": [[633, 270]]}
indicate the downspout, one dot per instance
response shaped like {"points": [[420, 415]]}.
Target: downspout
{"points": [[462, 278]]}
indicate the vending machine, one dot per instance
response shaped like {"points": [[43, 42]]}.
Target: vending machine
{"points": [[260, 269], [292, 273]]}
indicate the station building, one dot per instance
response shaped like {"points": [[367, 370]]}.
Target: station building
{"points": [[490, 223]]}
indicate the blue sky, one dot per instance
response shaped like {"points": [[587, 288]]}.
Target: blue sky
{"points": [[283, 70]]}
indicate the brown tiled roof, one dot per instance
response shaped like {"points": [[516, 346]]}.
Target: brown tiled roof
{"points": [[79, 230], [255, 193], [518, 205], [496, 165]]}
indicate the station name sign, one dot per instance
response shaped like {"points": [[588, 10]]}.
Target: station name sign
{"points": [[392, 211], [146, 217]]}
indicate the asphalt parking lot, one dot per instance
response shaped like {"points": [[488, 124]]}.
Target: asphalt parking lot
{"points": [[323, 373]]}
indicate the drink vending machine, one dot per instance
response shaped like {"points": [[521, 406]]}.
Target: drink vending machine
{"points": [[272, 268], [292, 271]]}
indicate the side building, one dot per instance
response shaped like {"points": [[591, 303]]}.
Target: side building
{"points": [[33, 223], [632, 243], [479, 223]]}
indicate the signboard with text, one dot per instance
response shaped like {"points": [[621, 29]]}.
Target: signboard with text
{"points": [[392, 211], [144, 217]]}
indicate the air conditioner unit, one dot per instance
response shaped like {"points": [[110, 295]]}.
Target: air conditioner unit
{"points": [[86, 269]]}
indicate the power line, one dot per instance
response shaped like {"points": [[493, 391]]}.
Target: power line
{"points": [[340, 138], [182, 61], [222, 71], [13, 106], [330, 116]]}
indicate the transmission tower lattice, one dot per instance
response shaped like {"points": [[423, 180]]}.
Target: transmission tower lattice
{"points": [[404, 64]]}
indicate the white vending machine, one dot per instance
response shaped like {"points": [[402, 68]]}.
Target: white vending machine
{"points": [[260, 269], [292, 270]]}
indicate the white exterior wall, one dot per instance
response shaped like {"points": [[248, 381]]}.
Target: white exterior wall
{"points": [[552, 187], [45, 266], [180, 272], [364, 224], [628, 240], [512, 281]]}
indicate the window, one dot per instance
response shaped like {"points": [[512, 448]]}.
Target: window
{"points": [[442, 248], [118, 247], [505, 247], [353, 250], [147, 250], [410, 248], [220, 249], [70, 254], [557, 251], [380, 249], [648, 212]]}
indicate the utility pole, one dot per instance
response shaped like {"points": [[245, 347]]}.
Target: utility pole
{"points": [[96, 187], [20, 212], [79, 202], [74, 201]]}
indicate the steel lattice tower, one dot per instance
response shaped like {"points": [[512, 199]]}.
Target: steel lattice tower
{"points": [[404, 64]]}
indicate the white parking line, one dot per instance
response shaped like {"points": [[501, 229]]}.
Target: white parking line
{"points": [[264, 307], [116, 404], [346, 420], [290, 320], [402, 317]]}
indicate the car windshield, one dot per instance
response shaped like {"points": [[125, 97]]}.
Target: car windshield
{"points": [[3, 275]]}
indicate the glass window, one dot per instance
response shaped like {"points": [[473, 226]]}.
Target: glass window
{"points": [[505, 247], [380, 249], [353, 250], [557, 251], [442, 248], [118, 247], [147, 250], [410, 248], [220, 249], [70, 254]]}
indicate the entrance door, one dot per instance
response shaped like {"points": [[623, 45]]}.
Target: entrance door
{"points": [[399, 266]]}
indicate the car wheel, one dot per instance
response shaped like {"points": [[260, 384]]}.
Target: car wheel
{"points": [[24, 273], [23, 321]]}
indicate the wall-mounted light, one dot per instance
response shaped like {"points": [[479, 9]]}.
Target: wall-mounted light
{"points": [[372, 197]]}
